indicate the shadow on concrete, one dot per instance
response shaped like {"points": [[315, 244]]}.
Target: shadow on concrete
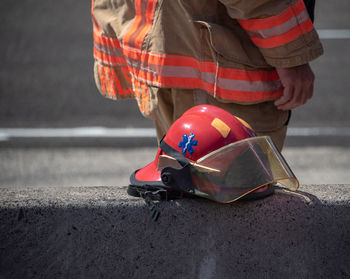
{"points": [[96, 234]]}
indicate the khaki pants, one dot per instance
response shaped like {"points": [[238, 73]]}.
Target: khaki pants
{"points": [[168, 104]]}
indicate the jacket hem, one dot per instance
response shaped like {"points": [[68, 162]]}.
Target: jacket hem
{"points": [[298, 60]]}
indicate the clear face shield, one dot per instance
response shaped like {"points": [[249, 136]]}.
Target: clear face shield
{"points": [[232, 171]]}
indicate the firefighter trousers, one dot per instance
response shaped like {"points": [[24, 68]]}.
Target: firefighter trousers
{"points": [[168, 104]]}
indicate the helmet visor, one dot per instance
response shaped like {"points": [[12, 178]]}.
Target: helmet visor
{"points": [[237, 169]]}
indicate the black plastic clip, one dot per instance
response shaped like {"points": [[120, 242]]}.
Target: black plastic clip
{"points": [[149, 196]]}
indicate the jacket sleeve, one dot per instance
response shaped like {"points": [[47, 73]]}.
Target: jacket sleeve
{"points": [[111, 73], [281, 29]]}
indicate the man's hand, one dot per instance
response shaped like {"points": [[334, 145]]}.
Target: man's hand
{"points": [[298, 83]]}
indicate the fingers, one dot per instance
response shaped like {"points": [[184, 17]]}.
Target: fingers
{"points": [[298, 83], [294, 97], [283, 101], [299, 98]]}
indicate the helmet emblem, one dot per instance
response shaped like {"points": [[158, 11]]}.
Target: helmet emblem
{"points": [[187, 143]]}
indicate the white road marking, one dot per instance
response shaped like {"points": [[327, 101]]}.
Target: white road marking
{"points": [[80, 132], [334, 33], [319, 131], [103, 132]]}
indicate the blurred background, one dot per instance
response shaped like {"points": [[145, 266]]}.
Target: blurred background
{"points": [[57, 130]]}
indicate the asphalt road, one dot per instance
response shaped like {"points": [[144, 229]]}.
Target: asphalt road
{"points": [[46, 81], [46, 70], [62, 167]]}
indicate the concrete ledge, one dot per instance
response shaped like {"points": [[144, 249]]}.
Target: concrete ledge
{"points": [[100, 232]]}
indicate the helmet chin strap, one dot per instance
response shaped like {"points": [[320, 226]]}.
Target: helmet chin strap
{"points": [[177, 179]]}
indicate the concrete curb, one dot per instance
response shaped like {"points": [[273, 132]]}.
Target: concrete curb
{"points": [[100, 232]]}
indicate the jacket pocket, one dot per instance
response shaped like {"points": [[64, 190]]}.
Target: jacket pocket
{"points": [[232, 45]]}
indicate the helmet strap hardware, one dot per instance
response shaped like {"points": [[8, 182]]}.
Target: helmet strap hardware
{"points": [[179, 179], [149, 196]]}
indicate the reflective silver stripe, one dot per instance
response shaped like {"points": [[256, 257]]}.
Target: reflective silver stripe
{"points": [[165, 71], [280, 29], [249, 86], [109, 50], [208, 77], [178, 71], [242, 85]]}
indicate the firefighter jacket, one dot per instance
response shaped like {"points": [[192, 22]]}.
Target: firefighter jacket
{"points": [[229, 48]]}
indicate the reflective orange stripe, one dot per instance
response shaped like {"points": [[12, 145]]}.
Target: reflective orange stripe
{"points": [[268, 22], [116, 82], [145, 98], [249, 97], [147, 59], [105, 40], [163, 60], [139, 95], [108, 59], [126, 74], [149, 16], [142, 95], [226, 93], [144, 15], [127, 39], [259, 75], [102, 79], [159, 59], [187, 72], [286, 37], [103, 47], [143, 69], [109, 82], [280, 29], [105, 44], [178, 71]]}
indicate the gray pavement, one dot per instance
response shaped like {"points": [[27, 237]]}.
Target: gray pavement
{"points": [[57, 167], [46, 70], [46, 77], [332, 14], [50, 227]]}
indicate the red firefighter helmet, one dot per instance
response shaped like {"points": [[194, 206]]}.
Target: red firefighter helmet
{"points": [[210, 153]]}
